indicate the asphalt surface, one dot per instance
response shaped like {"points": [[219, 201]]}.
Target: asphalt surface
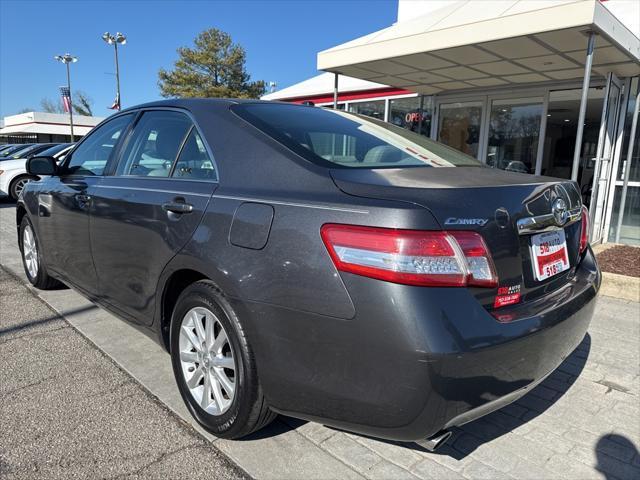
{"points": [[67, 411]]}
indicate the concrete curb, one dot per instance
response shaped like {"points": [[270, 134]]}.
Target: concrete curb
{"points": [[615, 285], [620, 286]]}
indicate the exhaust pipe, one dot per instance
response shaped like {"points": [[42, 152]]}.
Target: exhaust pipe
{"points": [[434, 442]]}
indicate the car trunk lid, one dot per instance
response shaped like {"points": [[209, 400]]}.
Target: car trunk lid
{"points": [[506, 208]]}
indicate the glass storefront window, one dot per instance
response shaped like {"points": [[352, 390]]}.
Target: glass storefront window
{"points": [[514, 130], [330, 105], [626, 229], [459, 126], [413, 113], [560, 134], [374, 108], [630, 225], [634, 173]]}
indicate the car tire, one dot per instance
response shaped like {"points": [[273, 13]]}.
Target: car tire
{"points": [[17, 184], [227, 414], [31, 255]]}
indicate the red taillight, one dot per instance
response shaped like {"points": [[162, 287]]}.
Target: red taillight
{"points": [[412, 257], [584, 233]]}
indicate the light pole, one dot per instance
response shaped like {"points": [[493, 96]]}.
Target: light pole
{"points": [[67, 59], [114, 40]]}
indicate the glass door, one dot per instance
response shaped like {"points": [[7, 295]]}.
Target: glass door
{"points": [[514, 134], [623, 211], [459, 126], [597, 198]]}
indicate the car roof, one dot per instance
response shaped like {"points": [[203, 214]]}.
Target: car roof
{"points": [[189, 103]]}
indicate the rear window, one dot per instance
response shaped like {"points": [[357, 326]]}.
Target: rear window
{"points": [[23, 151], [336, 138], [17, 148], [51, 151]]}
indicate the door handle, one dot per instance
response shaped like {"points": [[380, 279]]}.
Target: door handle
{"points": [[177, 207]]}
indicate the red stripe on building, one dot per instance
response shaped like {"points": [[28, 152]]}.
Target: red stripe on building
{"points": [[49, 123], [347, 96]]}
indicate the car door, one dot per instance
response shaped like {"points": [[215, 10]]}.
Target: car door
{"points": [[65, 200], [149, 207]]}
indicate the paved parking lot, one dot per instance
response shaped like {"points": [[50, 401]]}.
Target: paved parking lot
{"points": [[582, 422], [68, 411]]}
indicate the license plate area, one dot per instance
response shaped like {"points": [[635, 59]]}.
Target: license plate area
{"points": [[549, 254]]}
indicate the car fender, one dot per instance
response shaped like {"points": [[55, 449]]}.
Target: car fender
{"points": [[8, 176]]}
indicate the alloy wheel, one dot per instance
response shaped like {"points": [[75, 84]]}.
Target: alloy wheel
{"points": [[30, 251], [19, 186], [207, 361]]}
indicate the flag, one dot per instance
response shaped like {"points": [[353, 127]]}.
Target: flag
{"points": [[66, 98], [116, 103]]}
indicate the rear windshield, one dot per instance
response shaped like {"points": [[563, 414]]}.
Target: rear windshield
{"points": [[22, 151], [339, 139], [51, 151], [15, 148]]}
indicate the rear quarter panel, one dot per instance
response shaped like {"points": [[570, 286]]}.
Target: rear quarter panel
{"points": [[293, 272]]}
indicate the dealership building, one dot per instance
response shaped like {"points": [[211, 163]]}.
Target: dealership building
{"points": [[43, 127], [543, 87]]}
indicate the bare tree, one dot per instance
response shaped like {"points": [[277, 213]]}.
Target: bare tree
{"points": [[51, 106], [82, 103]]}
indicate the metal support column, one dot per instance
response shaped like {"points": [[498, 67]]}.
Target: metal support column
{"points": [[583, 105], [420, 117], [115, 44], [335, 91], [627, 169], [70, 102]]}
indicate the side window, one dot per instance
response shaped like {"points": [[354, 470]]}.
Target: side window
{"points": [[194, 161], [91, 156], [154, 144]]}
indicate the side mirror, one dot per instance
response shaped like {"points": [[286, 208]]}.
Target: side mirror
{"points": [[42, 166]]}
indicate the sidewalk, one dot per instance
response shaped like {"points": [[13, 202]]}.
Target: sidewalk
{"points": [[582, 422], [68, 411]]}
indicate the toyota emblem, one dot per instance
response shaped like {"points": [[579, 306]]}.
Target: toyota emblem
{"points": [[560, 212]]}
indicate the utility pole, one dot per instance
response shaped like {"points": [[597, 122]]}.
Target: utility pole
{"points": [[67, 59]]}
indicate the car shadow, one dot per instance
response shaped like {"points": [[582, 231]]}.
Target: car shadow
{"points": [[469, 437], [7, 203]]}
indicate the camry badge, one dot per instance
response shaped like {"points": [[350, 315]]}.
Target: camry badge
{"points": [[466, 221], [560, 212]]}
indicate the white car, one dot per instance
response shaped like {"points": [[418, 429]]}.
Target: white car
{"points": [[13, 173]]}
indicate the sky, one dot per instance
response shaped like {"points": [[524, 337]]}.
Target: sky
{"points": [[281, 39]]}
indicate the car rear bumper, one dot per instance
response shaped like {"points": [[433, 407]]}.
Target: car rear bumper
{"points": [[414, 360]]}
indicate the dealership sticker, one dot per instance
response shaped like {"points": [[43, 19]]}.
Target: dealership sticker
{"points": [[507, 296]]}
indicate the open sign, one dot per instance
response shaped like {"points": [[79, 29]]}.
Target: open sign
{"points": [[413, 117]]}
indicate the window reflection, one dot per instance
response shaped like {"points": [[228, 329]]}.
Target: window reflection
{"points": [[630, 222], [514, 130], [459, 126], [373, 109], [634, 173], [413, 113], [560, 134]]}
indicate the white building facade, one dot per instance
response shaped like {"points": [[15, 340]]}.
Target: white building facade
{"points": [[42, 127], [504, 81]]}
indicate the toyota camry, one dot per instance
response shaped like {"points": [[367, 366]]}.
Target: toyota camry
{"points": [[316, 263]]}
